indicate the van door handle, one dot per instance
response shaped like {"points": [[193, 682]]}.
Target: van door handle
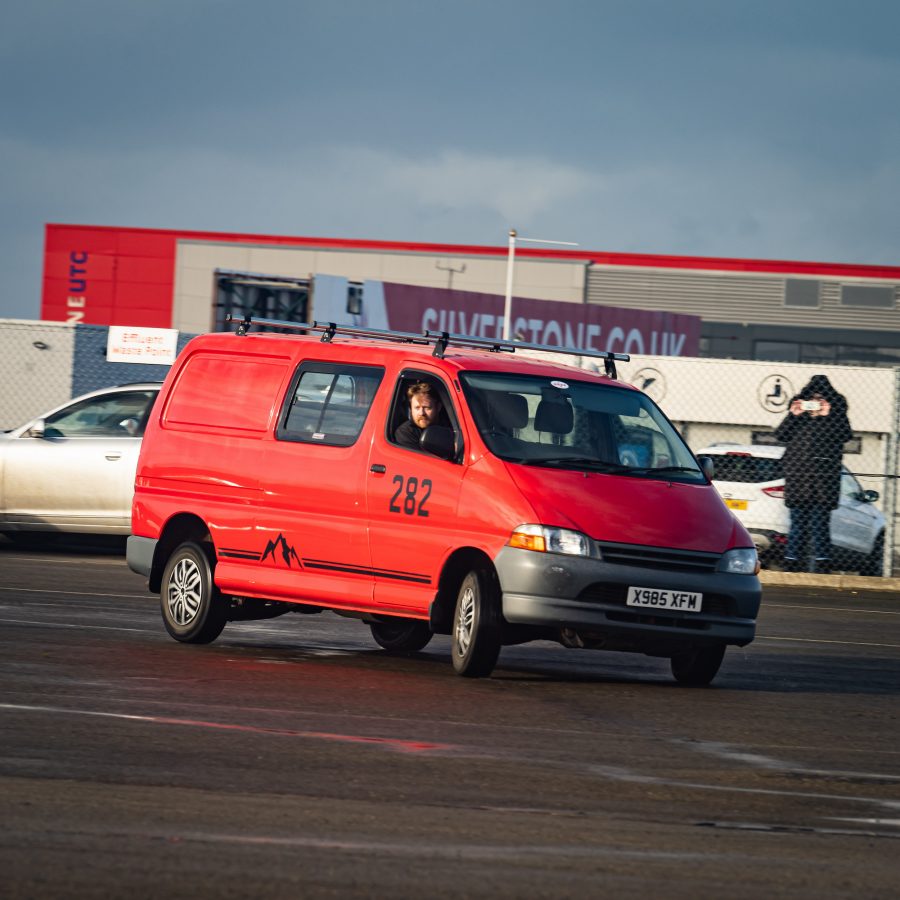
{"points": [[378, 469], [113, 456]]}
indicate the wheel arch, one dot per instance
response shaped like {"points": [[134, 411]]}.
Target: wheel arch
{"points": [[180, 528], [457, 566]]}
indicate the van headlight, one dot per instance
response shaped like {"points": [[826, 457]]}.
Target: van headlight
{"points": [[741, 561], [544, 539]]}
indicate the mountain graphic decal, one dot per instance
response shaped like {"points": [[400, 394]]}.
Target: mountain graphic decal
{"points": [[288, 553]]}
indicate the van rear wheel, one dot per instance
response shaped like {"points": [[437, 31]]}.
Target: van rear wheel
{"points": [[698, 666], [193, 609], [476, 625], [401, 635]]}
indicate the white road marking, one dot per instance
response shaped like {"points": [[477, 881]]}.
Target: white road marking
{"points": [[399, 744], [626, 776], [768, 637], [771, 763], [69, 560], [23, 590], [849, 609], [79, 626], [895, 823], [441, 850], [609, 772]]}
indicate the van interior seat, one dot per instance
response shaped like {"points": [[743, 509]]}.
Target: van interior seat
{"points": [[506, 411], [555, 416]]}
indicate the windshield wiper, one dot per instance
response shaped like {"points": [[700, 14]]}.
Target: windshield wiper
{"points": [[660, 469], [588, 462]]}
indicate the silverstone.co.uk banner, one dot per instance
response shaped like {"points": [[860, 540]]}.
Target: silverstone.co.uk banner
{"points": [[586, 327]]}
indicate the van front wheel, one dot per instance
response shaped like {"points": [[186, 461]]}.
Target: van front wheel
{"points": [[476, 625], [193, 609]]}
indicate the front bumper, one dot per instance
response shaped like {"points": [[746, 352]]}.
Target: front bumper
{"points": [[588, 596]]}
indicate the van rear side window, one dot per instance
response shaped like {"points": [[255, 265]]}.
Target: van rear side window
{"points": [[328, 403], [228, 394]]}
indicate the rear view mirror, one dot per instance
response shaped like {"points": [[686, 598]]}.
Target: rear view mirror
{"points": [[707, 467], [869, 496]]}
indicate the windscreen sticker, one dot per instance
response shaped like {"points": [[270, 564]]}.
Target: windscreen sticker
{"points": [[560, 384]]}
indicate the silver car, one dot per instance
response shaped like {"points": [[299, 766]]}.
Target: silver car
{"points": [[72, 469]]}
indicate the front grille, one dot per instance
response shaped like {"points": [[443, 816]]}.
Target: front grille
{"points": [[616, 594], [659, 619], [658, 557]]}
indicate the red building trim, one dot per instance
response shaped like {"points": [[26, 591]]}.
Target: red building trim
{"points": [[110, 275]]}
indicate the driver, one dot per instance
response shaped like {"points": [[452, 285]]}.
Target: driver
{"points": [[425, 409]]}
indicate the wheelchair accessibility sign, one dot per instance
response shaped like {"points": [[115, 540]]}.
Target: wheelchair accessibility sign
{"points": [[774, 393]]}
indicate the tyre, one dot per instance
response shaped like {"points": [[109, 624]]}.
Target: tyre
{"points": [[193, 610], [401, 635], [698, 666], [476, 625], [873, 564]]}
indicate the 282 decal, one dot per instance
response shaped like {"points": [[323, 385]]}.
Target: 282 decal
{"points": [[411, 495]]}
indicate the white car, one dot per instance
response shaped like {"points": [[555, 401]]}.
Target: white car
{"points": [[750, 479], [72, 469]]}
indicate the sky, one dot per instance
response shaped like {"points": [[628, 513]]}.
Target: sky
{"points": [[761, 129]]}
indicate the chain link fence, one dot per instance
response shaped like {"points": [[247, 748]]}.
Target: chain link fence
{"points": [[805, 455], [787, 445], [44, 364]]}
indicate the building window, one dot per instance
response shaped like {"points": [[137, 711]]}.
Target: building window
{"points": [[801, 292], [826, 354], [777, 351], [818, 353], [868, 295], [868, 356], [240, 294]]}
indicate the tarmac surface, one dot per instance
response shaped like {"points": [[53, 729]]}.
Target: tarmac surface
{"points": [[295, 758]]}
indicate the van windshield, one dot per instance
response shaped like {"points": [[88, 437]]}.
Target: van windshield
{"points": [[570, 424]]}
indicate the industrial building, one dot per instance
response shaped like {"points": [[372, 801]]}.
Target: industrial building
{"points": [[821, 313]]}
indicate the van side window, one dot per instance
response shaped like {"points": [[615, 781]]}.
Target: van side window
{"points": [[328, 403], [400, 427]]}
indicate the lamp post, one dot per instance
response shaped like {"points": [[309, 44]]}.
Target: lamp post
{"points": [[510, 261]]}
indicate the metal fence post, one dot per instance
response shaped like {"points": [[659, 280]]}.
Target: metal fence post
{"points": [[890, 482]]}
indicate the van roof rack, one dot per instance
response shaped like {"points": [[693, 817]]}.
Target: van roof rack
{"points": [[440, 339]]}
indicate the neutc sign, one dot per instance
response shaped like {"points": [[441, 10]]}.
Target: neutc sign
{"points": [[76, 301]]}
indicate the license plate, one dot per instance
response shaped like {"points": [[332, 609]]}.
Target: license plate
{"points": [[736, 504], [657, 598]]}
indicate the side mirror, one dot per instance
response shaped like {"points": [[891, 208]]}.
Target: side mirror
{"points": [[869, 496], [439, 440], [38, 429], [707, 467]]}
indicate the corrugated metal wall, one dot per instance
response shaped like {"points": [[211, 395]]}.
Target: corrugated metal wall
{"points": [[729, 297]]}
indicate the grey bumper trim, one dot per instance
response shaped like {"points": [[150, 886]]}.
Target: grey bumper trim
{"points": [[139, 554]]}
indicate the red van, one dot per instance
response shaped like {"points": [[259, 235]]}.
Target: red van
{"points": [[434, 484]]}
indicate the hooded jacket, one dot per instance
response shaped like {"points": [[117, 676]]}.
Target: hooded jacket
{"points": [[814, 446]]}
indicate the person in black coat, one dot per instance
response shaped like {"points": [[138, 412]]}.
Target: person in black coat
{"points": [[814, 432]]}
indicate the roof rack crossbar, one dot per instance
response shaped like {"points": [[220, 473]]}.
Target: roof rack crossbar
{"points": [[248, 320], [440, 339]]}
